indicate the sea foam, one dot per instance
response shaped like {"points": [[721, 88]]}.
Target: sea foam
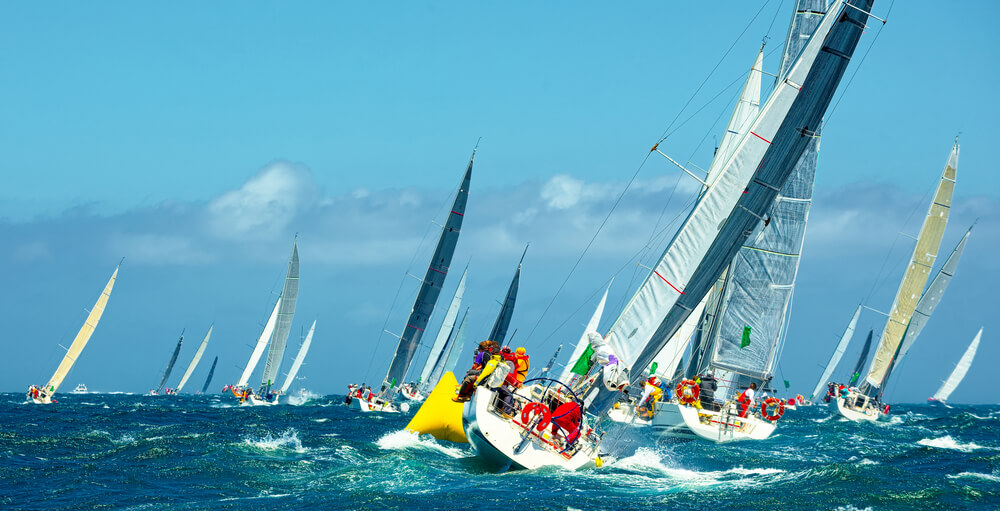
{"points": [[403, 439], [289, 439], [947, 442]]}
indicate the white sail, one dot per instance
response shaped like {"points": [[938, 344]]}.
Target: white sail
{"points": [[582, 344], [258, 350], [434, 357], [839, 352], [195, 360], [917, 273], [747, 108], [82, 337], [283, 323], [959, 372], [670, 356], [298, 359]]}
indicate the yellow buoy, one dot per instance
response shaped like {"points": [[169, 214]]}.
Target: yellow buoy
{"points": [[439, 416], [599, 462]]}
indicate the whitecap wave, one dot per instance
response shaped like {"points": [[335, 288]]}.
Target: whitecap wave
{"points": [[302, 397], [947, 442], [975, 475], [403, 439], [289, 439], [648, 461]]}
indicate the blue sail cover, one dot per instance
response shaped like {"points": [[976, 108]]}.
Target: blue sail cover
{"points": [[762, 275], [430, 288]]}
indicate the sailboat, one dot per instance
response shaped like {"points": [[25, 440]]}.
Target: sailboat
{"points": [[957, 374], [364, 399], [194, 362], [43, 394], [824, 378], [862, 360], [437, 354], [864, 404], [274, 337], [299, 358], [728, 211], [170, 367], [211, 373]]}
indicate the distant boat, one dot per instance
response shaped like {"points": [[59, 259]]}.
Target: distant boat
{"points": [[194, 361], [299, 358], [957, 374], [211, 372], [80, 389], [437, 355], [170, 367], [43, 395]]}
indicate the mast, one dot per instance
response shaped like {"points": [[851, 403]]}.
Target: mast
{"points": [[430, 287], [862, 359], [837, 354], [81, 339], [958, 373], [170, 365], [298, 359], [499, 331], [195, 360], [211, 372], [283, 325], [447, 326], [748, 184], [258, 349], [916, 275]]}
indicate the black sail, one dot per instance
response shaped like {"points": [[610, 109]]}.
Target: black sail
{"points": [[211, 372], [862, 359], [170, 366]]}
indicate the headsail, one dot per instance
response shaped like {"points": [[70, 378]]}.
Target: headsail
{"points": [[917, 273], [298, 359], [752, 178], [81, 339], [211, 372], [582, 344], [258, 349], [430, 287], [455, 346], [862, 359], [837, 354], [958, 373], [447, 326], [195, 360], [283, 325], [170, 365], [499, 331]]}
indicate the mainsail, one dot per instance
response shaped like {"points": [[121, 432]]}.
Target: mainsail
{"points": [[958, 373], [430, 287], [731, 209], [837, 354], [211, 372], [917, 273], [258, 349], [283, 324], [297, 363], [81, 339], [862, 359], [170, 365], [195, 360], [435, 356], [582, 344], [499, 331]]}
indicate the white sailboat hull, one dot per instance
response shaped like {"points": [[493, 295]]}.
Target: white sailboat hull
{"points": [[669, 422], [725, 426], [253, 400], [375, 405], [857, 414], [496, 440], [625, 414]]}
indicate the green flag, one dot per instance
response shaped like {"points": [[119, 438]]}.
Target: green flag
{"points": [[652, 368], [393, 384], [787, 385], [746, 337], [582, 365]]}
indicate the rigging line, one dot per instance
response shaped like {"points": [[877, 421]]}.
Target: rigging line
{"points": [[863, 57], [767, 35], [717, 64]]}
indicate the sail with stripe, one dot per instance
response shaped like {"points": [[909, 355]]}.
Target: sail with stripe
{"points": [[299, 358], [195, 360], [837, 354], [957, 374], [283, 322]]}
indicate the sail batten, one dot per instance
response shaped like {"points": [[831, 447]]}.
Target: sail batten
{"points": [[195, 360], [299, 358]]}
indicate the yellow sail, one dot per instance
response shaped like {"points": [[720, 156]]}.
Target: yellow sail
{"points": [[917, 273], [81, 338]]}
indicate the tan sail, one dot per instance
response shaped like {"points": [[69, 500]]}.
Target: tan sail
{"points": [[81, 339], [917, 273]]}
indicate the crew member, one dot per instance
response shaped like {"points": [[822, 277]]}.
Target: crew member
{"points": [[707, 391], [746, 399]]}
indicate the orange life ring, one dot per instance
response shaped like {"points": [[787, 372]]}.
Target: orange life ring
{"points": [[772, 401], [688, 392], [533, 408]]}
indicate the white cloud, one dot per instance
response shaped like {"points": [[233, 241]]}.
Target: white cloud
{"points": [[265, 205]]}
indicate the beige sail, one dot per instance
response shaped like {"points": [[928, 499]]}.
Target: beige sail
{"points": [[81, 339], [917, 273]]}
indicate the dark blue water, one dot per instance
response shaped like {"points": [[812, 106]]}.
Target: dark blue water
{"points": [[102, 451]]}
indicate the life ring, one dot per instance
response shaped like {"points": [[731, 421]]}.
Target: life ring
{"points": [[688, 392], [772, 401], [533, 408]]}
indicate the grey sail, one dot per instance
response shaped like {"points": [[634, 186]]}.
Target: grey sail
{"points": [[211, 373], [283, 324], [762, 275], [862, 359], [499, 331], [441, 362], [837, 354], [455, 349], [806, 91], [170, 365], [430, 287]]}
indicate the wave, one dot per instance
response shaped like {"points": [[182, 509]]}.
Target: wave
{"points": [[402, 439], [302, 397], [289, 439], [947, 442], [976, 475], [647, 461]]}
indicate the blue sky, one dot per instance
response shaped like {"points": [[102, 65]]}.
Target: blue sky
{"points": [[197, 141]]}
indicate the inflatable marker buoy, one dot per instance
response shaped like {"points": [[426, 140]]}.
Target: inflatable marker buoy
{"points": [[599, 462], [769, 402], [688, 392]]}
